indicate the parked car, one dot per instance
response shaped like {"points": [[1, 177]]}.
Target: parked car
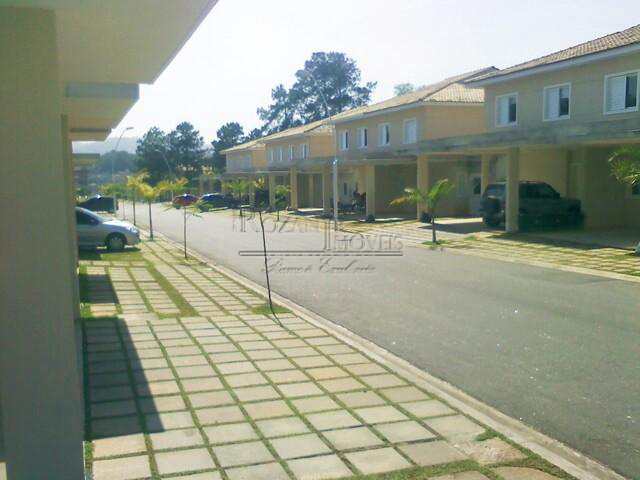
{"points": [[99, 203], [95, 231], [216, 200], [184, 200], [540, 205]]}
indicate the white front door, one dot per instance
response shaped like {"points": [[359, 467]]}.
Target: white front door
{"points": [[475, 194]]}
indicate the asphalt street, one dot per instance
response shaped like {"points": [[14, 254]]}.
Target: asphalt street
{"points": [[557, 350]]}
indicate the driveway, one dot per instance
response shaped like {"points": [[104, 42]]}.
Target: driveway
{"points": [[557, 350]]}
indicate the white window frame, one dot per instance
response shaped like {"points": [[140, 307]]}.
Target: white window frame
{"points": [[280, 154], [380, 126], [545, 116], [404, 131], [343, 140], [292, 152], [604, 96], [495, 113], [304, 151], [361, 144], [271, 155]]}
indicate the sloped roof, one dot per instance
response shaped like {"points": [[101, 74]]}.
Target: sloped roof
{"points": [[243, 146], [612, 41], [448, 90]]}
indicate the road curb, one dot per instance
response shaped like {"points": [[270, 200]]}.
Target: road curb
{"points": [[554, 451]]}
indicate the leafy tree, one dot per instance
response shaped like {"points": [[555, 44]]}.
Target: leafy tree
{"points": [[329, 77], [625, 165], [227, 136], [239, 188], [282, 198], [403, 88], [281, 114], [122, 162], [428, 197], [134, 184], [150, 194], [329, 83], [152, 152], [254, 134], [114, 190], [186, 150]]}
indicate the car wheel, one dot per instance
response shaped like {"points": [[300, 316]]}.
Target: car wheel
{"points": [[116, 242]]}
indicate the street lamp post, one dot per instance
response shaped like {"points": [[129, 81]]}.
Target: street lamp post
{"points": [[115, 195]]}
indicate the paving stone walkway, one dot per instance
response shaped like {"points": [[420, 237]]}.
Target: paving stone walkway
{"points": [[184, 380], [502, 247]]}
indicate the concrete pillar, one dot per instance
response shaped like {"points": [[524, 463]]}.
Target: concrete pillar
{"points": [[423, 181], [67, 155], [513, 191], [272, 190], [39, 376], [485, 171], [370, 188], [293, 183], [327, 189], [311, 191]]}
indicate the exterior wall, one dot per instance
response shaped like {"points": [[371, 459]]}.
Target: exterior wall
{"points": [[395, 119], [587, 94], [39, 375], [459, 172], [548, 165], [320, 145], [442, 121], [434, 121], [391, 180]]}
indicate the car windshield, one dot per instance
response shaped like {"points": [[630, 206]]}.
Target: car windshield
{"points": [[91, 214]]}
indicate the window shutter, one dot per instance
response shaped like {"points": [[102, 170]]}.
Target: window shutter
{"points": [[553, 103], [616, 93]]}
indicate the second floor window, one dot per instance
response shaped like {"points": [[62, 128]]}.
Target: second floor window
{"points": [[507, 110], [556, 102], [410, 131], [621, 93], [270, 155], [304, 151], [363, 138], [384, 134], [344, 140], [292, 153], [280, 154]]}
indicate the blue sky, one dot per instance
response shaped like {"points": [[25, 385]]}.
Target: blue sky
{"points": [[246, 47]]}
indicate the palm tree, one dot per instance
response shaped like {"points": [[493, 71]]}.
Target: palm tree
{"points": [[625, 165], [133, 185], [176, 186], [428, 197], [282, 194], [239, 188], [150, 194], [113, 190]]}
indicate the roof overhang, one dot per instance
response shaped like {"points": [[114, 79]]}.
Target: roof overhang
{"points": [[554, 67], [376, 113], [106, 48], [602, 132]]}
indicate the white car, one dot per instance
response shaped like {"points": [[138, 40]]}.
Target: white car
{"points": [[96, 231]]}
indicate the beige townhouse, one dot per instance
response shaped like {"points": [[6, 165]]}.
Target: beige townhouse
{"points": [[557, 119], [378, 146]]}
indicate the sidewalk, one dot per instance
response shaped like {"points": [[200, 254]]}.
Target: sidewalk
{"points": [[185, 380]]}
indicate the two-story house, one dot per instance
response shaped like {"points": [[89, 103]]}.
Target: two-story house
{"points": [[557, 119], [298, 157], [378, 152]]}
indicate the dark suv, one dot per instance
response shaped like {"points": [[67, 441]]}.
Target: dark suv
{"points": [[540, 205], [99, 204]]}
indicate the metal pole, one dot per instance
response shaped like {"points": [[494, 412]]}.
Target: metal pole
{"points": [[115, 195], [335, 193]]}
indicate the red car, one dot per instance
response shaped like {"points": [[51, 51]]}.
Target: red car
{"points": [[184, 200]]}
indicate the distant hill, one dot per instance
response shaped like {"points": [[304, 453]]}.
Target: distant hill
{"points": [[127, 144]]}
